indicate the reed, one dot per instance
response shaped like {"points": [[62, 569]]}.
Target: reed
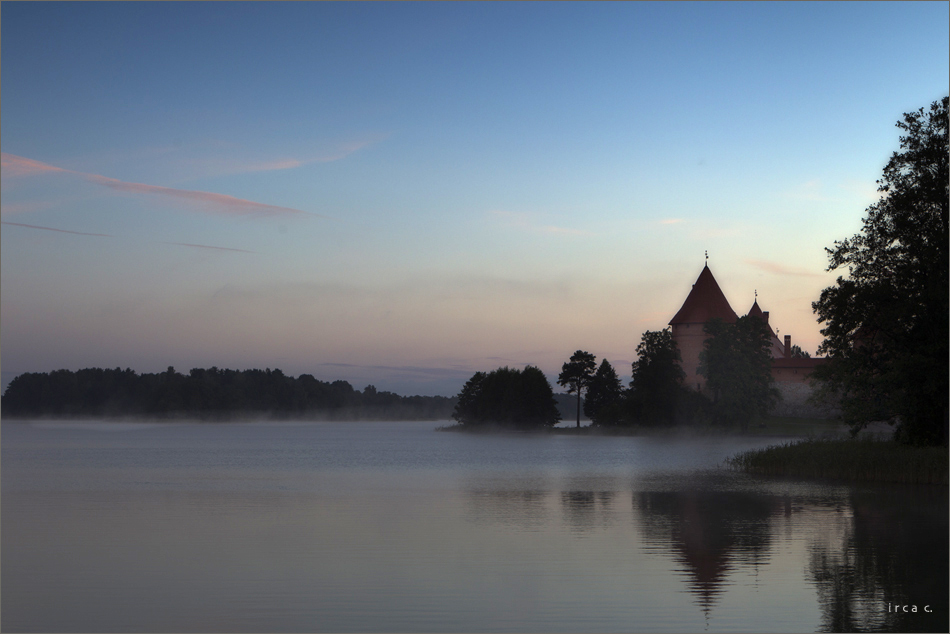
{"points": [[860, 459]]}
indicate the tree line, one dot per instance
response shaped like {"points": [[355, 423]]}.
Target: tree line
{"points": [[736, 361], [208, 394]]}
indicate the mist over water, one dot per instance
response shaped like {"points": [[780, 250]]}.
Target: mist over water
{"points": [[395, 527]]}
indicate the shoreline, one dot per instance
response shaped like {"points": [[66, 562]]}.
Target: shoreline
{"points": [[863, 459]]}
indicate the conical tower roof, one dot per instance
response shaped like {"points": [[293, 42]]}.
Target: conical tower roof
{"points": [[755, 311], [705, 302]]}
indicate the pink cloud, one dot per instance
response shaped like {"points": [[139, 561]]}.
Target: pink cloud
{"points": [[20, 166], [349, 148], [206, 246], [242, 167], [222, 202], [270, 166], [13, 165], [78, 233]]}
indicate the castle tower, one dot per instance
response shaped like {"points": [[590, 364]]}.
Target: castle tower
{"points": [[704, 302], [777, 347]]}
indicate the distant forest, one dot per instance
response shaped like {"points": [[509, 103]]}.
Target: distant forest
{"points": [[212, 394]]}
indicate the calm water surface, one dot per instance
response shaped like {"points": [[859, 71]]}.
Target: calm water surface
{"points": [[393, 527]]}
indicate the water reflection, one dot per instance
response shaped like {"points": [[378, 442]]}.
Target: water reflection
{"points": [[894, 554], [709, 533], [586, 510], [521, 509], [520, 503], [391, 527], [863, 552]]}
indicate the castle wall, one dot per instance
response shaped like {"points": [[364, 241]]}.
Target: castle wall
{"points": [[706, 301], [795, 402], [689, 339]]}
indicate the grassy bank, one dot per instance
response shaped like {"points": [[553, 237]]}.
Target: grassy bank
{"points": [[772, 426], [863, 459]]}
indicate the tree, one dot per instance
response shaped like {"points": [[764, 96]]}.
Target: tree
{"points": [[602, 404], [798, 353], [576, 375], [886, 324], [737, 363], [657, 381], [509, 398]]}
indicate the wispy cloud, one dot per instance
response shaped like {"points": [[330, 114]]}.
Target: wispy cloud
{"points": [[525, 222], [231, 166], [221, 203], [13, 165], [78, 233], [779, 269], [217, 202], [207, 246]]}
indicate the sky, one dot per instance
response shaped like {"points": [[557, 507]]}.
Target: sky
{"points": [[404, 194]]}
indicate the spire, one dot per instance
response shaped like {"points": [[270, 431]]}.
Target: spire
{"points": [[704, 302], [755, 311]]}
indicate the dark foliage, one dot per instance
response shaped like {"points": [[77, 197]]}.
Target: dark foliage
{"points": [[886, 322], [656, 392], [207, 394], [507, 397], [576, 375], [798, 353], [737, 363], [603, 404]]}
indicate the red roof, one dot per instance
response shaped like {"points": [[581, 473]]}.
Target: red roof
{"points": [[704, 302], [755, 311]]}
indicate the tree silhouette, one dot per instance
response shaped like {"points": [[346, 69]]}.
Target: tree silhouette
{"points": [[798, 353], [886, 335], [604, 394], [509, 398], [737, 363], [657, 382], [576, 375]]}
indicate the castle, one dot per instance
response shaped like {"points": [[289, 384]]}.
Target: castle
{"points": [[706, 301]]}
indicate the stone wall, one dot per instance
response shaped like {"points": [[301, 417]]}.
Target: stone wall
{"points": [[795, 403]]}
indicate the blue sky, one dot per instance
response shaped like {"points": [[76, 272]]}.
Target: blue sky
{"points": [[403, 194]]}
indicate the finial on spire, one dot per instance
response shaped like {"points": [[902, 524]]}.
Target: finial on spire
{"points": [[756, 294], [707, 256]]}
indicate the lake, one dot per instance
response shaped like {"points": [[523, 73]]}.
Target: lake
{"points": [[394, 527]]}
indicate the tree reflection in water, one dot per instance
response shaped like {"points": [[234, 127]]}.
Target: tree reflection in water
{"points": [[583, 510], [869, 551], [864, 550], [895, 554]]}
